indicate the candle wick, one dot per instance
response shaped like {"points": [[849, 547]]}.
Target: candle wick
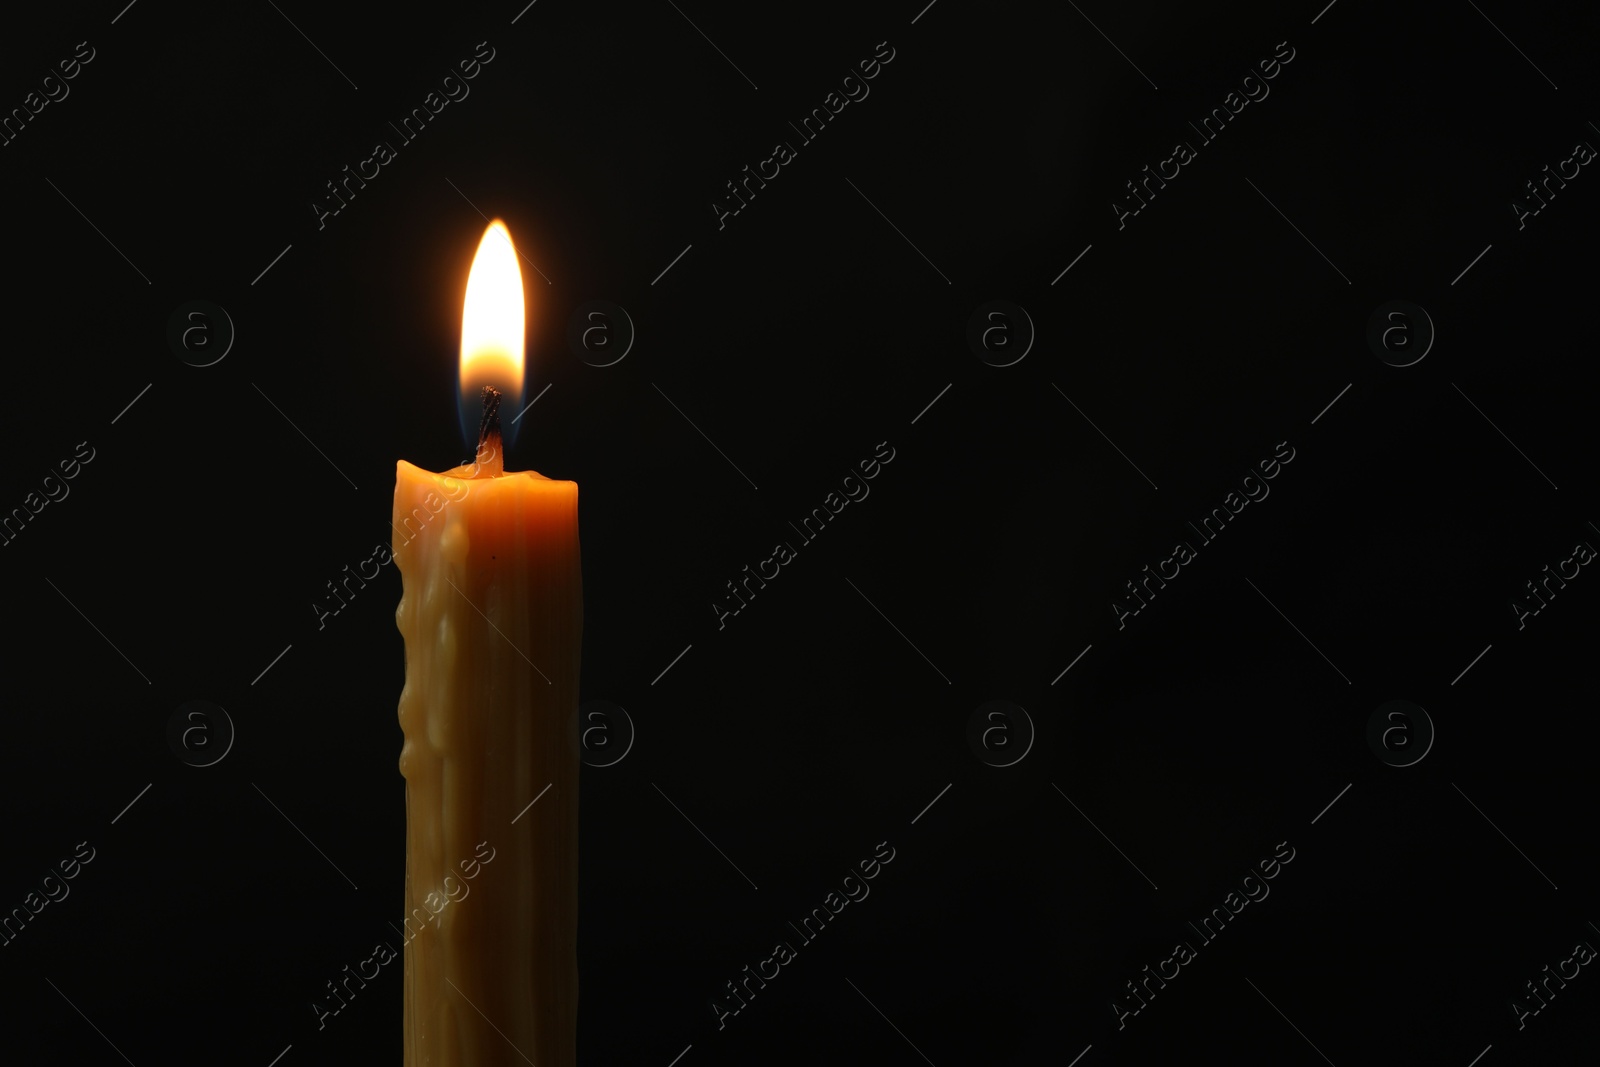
{"points": [[489, 462]]}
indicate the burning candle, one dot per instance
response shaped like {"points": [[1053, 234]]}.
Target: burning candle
{"points": [[492, 616]]}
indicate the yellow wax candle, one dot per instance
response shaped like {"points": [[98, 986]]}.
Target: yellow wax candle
{"points": [[492, 616]]}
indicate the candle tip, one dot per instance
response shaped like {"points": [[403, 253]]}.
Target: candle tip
{"points": [[489, 462]]}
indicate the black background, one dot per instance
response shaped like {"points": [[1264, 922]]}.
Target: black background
{"points": [[820, 321]]}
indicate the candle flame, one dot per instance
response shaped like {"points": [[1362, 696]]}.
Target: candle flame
{"points": [[493, 321]]}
